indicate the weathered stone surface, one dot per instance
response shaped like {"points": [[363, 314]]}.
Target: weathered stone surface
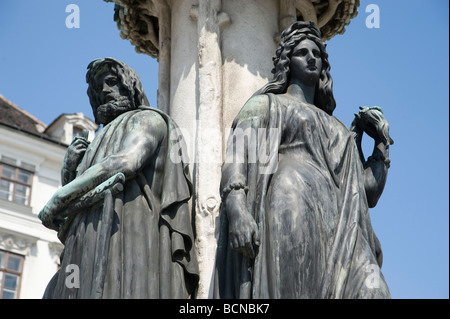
{"points": [[140, 21]]}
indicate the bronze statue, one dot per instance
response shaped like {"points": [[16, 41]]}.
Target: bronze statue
{"points": [[299, 226], [122, 212]]}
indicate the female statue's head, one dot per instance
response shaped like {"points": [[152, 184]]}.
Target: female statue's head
{"points": [[290, 39]]}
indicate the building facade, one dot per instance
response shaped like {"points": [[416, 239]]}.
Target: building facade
{"points": [[31, 156]]}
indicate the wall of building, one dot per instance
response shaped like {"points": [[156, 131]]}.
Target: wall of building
{"points": [[21, 231]]}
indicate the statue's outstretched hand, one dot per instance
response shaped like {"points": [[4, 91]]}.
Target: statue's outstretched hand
{"points": [[68, 200], [48, 214], [243, 232]]}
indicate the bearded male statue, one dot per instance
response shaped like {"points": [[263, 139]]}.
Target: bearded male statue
{"points": [[122, 213]]}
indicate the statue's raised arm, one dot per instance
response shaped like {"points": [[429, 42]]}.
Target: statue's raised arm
{"points": [[371, 121]]}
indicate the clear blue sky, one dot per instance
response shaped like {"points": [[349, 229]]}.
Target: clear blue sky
{"points": [[403, 67]]}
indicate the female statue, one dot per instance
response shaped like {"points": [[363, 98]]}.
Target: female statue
{"points": [[301, 228]]}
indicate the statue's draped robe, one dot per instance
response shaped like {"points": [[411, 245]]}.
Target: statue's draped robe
{"points": [[151, 252], [316, 238]]}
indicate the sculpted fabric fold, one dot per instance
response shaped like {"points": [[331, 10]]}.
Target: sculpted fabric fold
{"points": [[312, 213], [151, 253]]}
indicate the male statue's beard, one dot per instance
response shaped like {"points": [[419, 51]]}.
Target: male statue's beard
{"points": [[107, 112]]}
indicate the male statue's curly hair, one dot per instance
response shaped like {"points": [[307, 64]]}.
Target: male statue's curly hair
{"points": [[290, 38]]}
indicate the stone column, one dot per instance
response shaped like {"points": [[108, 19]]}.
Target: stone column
{"points": [[164, 58], [208, 141]]}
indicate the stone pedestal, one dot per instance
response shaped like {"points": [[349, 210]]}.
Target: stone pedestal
{"points": [[213, 55]]}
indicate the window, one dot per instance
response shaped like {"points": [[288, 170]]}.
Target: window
{"points": [[77, 131], [10, 274], [15, 184]]}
